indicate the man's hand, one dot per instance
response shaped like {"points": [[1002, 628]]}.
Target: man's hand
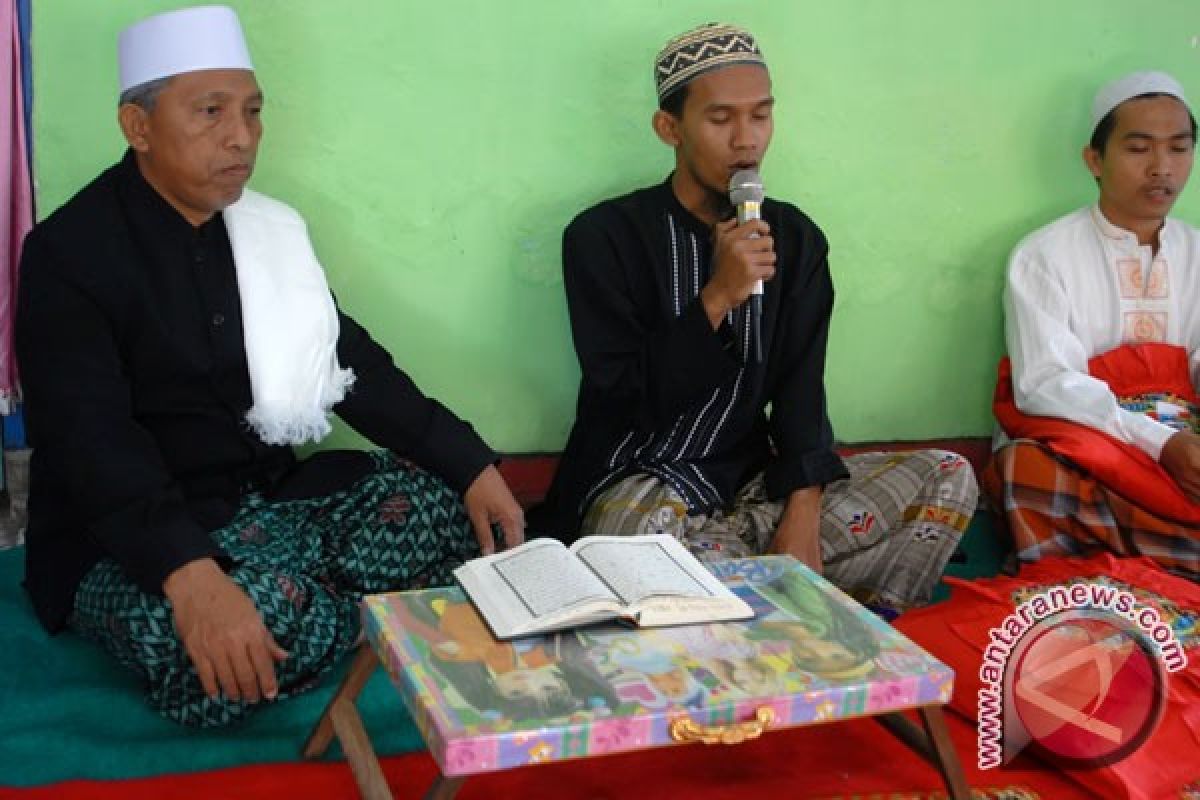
{"points": [[740, 259], [799, 532], [1180, 457], [223, 633], [488, 500]]}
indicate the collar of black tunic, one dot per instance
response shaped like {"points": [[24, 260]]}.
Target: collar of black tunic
{"points": [[666, 196], [145, 200]]}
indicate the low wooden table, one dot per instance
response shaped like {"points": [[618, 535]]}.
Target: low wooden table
{"points": [[811, 655]]}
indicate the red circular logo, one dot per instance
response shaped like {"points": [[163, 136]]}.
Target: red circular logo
{"points": [[1086, 687]]}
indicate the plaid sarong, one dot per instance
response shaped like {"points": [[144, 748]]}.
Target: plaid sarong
{"points": [[1052, 507], [305, 564], [887, 531]]}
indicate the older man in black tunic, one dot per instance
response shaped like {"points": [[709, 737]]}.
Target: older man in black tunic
{"points": [[177, 337]]}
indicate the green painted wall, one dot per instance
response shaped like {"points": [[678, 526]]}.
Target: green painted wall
{"points": [[438, 149]]}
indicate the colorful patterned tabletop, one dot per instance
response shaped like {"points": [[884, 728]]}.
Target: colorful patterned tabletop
{"points": [[810, 655]]}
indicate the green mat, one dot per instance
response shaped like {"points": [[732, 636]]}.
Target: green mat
{"points": [[68, 711], [984, 553]]}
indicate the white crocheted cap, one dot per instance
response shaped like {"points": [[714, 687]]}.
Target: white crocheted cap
{"points": [[1133, 85]]}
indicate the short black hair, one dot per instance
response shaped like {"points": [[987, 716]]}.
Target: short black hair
{"points": [[673, 102], [1104, 128]]}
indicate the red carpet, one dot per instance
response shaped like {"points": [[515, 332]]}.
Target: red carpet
{"points": [[849, 759]]}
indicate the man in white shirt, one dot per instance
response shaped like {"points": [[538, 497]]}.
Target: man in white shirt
{"points": [[1118, 274]]}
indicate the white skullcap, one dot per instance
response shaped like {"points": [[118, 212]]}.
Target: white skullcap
{"points": [[1137, 83], [187, 40]]}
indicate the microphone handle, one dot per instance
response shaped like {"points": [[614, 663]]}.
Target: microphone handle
{"points": [[756, 325], [745, 212]]}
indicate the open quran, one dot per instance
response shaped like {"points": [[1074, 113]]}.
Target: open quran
{"points": [[647, 581]]}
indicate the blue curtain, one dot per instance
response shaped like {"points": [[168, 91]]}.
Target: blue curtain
{"points": [[13, 434], [25, 21]]}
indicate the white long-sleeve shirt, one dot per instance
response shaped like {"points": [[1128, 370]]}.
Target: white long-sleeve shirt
{"points": [[1082, 286]]}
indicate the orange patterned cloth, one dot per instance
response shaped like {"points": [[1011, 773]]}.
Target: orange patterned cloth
{"points": [[1053, 508]]}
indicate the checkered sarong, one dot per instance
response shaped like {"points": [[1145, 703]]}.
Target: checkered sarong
{"points": [[887, 531], [305, 564], [1052, 507]]}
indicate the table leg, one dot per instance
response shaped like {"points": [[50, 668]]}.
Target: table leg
{"points": [[359, 753], [933, 744], [365, 662], [444, 788], [341, 719], [947, 757]]}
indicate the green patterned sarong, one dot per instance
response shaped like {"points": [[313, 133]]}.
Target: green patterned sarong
{"points": [[305, 564]]}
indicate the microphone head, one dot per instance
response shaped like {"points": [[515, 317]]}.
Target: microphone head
{"points": [[745, 187]]}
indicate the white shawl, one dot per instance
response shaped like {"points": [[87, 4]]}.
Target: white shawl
{"points": [[289, 322]]}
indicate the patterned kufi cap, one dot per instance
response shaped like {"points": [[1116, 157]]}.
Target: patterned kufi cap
{"points": [[701, 50]]}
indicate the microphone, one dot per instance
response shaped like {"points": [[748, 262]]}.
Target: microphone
{"points": [[746, 195]]}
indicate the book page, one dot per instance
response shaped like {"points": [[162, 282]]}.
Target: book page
{"points": [[516, 589], [547, 579], [636, 567]]}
